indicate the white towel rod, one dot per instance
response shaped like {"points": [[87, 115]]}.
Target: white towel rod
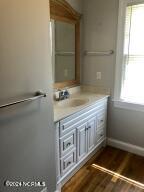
{"points": [[62, 53], [98, 53], [37, 95]]}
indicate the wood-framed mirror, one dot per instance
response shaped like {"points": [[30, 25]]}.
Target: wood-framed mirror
{"points": [[65, 30]]}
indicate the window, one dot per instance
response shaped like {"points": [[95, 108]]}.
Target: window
{"points": [[130, 52]]}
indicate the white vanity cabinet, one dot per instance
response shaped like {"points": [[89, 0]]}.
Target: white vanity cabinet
{"points": [[79, 135]]}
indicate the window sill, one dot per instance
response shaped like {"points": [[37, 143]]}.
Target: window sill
{"points": [[129, 105]]}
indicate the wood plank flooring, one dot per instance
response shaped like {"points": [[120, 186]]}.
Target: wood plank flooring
{"points": [[96, 175]]}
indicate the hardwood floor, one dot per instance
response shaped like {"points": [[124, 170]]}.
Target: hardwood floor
{"points": [[99, 173]]}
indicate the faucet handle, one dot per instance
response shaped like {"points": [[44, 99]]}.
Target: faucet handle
{"points": [[66, 93], [61, 94], [57, 94]]}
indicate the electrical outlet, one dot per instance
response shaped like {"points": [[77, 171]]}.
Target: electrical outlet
{"points": [[98, 75]]}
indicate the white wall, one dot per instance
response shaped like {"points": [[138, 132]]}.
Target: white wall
{"points": [[100, 32], [100, 17]]}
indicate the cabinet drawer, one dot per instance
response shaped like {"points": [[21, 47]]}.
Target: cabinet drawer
{"points": [[68, 162], [101, 119], [67, 143], [100, 135]]}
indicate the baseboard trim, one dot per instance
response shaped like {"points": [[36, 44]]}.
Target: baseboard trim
{"points": [[125, 146]]}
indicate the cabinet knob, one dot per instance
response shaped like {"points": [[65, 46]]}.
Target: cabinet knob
{"points": [[68, 144], [68, 163], [86, 128]]}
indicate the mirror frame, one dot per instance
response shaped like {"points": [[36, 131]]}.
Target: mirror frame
{"points": [[60, 10]]}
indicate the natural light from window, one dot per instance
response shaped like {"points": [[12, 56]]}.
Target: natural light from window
{"points": [[133, 61]]}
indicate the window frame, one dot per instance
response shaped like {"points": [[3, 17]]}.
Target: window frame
{"points": [[118, 102]]}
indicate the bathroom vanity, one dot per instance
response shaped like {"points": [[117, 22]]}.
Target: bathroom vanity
{"points": [[80, 121], [81, 130]]}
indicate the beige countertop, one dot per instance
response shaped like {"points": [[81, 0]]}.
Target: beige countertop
{"points": [[62, 110]]}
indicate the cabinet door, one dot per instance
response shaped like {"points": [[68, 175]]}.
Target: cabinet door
{"points": [[91, 133], [81, 141]]}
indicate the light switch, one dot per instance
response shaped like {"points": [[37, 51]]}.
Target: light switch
{"points": [[98, 75]]}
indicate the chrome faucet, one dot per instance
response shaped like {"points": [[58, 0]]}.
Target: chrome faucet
{"points": [[62, 94], [67, 94]]}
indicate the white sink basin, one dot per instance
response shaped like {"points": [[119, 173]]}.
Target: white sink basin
{"points": [[73, 102]]}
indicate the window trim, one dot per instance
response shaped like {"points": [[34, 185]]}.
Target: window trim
{"points": [[119, 58], [128, 105]]}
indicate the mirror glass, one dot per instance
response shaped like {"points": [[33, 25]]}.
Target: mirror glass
{"points": [[63, 51]]}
